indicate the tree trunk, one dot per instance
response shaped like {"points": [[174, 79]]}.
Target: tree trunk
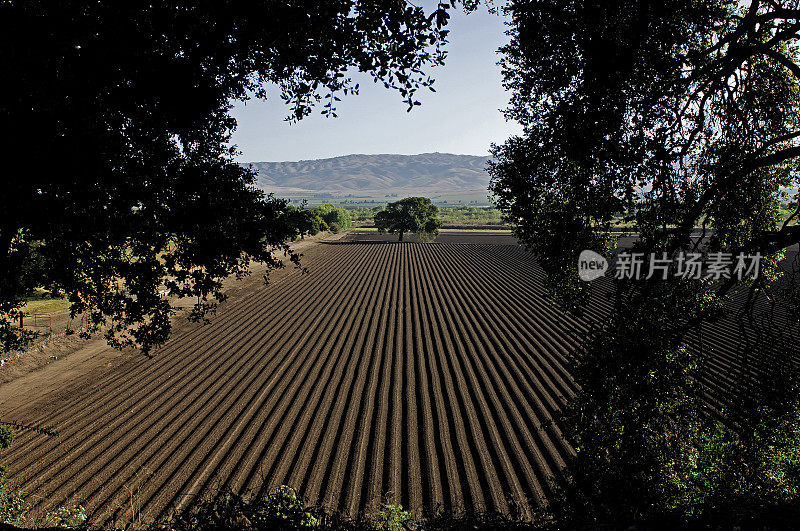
{"points": [[401, 236]]}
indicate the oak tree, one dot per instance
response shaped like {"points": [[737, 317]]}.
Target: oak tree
{"points": [[412, 214], [679, 120], [117, 168]]}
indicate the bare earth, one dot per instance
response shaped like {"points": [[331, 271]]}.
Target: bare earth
{"points": [[425, 374], [46, 368]]}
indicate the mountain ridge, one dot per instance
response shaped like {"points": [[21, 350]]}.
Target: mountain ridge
{"points": [[375, 174]]}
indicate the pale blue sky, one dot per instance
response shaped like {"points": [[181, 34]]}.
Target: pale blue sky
{"points": [[463, 115]]}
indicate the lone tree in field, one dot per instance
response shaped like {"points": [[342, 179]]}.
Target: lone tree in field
{"points": [[677, 115], [412, 214], [118, 175]]}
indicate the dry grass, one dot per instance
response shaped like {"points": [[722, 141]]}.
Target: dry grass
{"points": [[42, 303]]}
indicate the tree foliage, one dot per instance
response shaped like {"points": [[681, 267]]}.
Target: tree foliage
{"points": [[118, 169], [412, 214], [460, 215], [324, 217], [337, 218], [305, 222], [675, 115]]}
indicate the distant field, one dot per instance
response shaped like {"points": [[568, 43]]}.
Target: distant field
{"points": [[456, 216], [504, 231], [446, 199]]}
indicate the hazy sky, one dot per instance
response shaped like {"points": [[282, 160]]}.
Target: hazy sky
{"points": [[462, 116]]}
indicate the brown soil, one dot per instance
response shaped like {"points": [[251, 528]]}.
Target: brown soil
{"points": [[426, 374], [422, 373], [58, 345]]}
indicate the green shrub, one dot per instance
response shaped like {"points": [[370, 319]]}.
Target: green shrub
{"points": [[13, 507], [392, 517], [13, 504], [756, 467], [282, 507], [68, 517]]}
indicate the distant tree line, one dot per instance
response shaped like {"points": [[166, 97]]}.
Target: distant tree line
{"points": [[461, 215]]}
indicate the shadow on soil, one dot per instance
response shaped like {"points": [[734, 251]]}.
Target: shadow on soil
{"points": [[284, 509]]}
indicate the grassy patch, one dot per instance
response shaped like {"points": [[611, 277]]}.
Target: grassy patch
{"points": [[41, 302], [485, 231]]}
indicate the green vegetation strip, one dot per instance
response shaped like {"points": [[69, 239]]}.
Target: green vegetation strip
{"points": [[487, 231]]}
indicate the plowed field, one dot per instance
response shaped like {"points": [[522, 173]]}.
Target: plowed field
{"points": [[421, 373]]}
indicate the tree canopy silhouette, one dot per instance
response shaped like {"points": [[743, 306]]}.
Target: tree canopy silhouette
{"points": [[668, 117], [412, 214], [119, 178]]}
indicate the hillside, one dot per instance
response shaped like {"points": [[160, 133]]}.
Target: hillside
{"points": [[361, 175]]}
